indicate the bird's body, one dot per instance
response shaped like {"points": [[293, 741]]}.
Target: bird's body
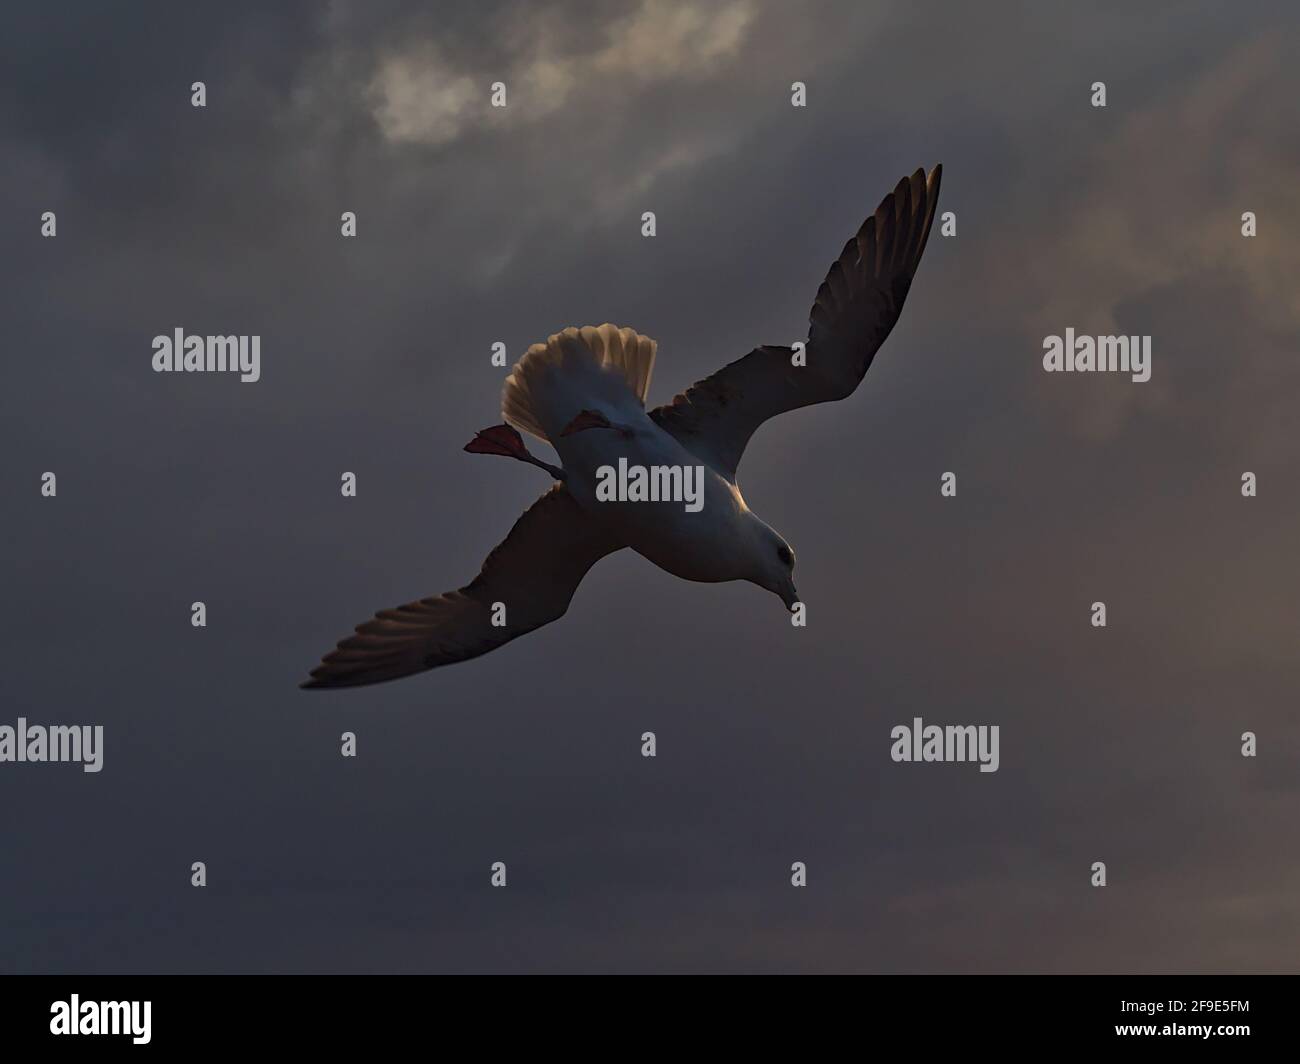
{"points": [[700, 545], [583, 391]]}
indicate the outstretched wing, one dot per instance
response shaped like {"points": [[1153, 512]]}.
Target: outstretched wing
{"points": [[533, 573], [856, 306]]}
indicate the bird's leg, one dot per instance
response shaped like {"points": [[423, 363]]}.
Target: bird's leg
{"points": [[593, 419], [503, 439]]}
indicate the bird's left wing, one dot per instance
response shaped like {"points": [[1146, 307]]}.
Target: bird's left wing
{"points": [[856, 307], [532, 573]]}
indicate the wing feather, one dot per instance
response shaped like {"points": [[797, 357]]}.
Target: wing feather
{"points": [[855, 309], [534, 572]]}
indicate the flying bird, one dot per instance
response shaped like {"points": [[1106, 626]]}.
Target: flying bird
{"points": [[584, 392]]}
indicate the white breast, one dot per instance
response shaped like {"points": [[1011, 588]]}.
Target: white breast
{"points": [[706, 545]]}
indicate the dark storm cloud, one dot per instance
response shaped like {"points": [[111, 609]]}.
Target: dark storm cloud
{"points": [[1119, 745]]}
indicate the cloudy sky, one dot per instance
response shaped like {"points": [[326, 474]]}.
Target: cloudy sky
{"points": [[478, 225]]}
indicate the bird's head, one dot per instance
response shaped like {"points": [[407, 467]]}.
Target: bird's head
{"points": [[772, 561]]}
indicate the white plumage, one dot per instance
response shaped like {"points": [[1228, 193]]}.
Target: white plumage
{"points": [[604, 363]]}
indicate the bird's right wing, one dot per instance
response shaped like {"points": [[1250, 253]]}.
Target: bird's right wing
{"points": [[532, 573], [856, 307]]}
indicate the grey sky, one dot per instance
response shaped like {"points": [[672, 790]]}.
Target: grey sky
{"points": [[1120, 745]]}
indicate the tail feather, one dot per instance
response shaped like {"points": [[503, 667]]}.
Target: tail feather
{"points": [[571, 369]]}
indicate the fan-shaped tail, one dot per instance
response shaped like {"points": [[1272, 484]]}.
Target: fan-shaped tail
{"points": [[574, 370]]}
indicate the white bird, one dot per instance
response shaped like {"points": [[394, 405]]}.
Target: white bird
{"points": [[583, 391]]}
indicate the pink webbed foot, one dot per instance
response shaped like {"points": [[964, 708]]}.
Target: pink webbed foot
{"points": [[587, 419], [505, 440], [499, 439]]}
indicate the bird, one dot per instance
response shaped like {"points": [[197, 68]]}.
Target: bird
{"points": [[584, 391]]}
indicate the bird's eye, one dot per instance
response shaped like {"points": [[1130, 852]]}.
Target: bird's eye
{"points": [[783, 552]]}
